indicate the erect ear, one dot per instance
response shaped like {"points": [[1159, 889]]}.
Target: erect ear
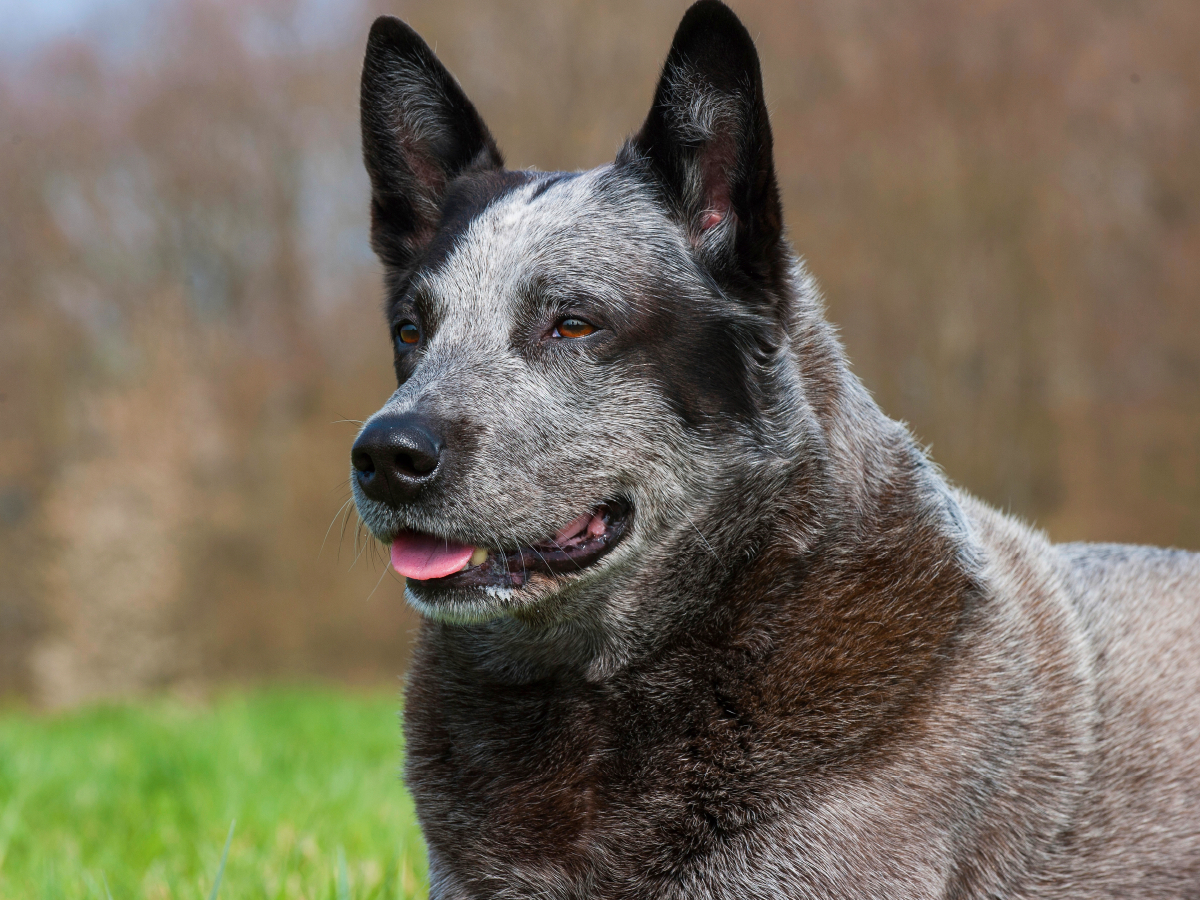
{"points": [[419, 132], [707, 140]]}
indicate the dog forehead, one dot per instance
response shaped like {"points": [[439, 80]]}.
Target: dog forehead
{"points": [[590, 231]]}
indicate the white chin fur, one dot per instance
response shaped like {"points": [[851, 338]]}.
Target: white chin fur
{"points": [[490, 605]]}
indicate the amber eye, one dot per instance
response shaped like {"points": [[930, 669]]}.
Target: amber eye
{"points": [[408, 333], [573, 328]]}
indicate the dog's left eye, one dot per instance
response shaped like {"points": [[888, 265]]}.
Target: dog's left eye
{"points": [[408, 333], [573, 328]]}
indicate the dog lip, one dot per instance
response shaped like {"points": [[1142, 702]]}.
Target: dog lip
{"points": [[512, 568]]}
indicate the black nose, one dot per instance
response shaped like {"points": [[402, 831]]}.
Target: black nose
{"points": [[394, 457]]}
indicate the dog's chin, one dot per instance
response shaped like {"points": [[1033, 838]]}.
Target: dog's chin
{"points": [[466, 605], [519, 580]]}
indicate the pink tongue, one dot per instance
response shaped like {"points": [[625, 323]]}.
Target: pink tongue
{"points": [[423, 556]]}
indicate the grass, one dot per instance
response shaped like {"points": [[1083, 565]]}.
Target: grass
{"points": [[300, 787]]}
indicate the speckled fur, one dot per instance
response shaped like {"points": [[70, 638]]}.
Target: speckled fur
{"points": [[813, 669]]}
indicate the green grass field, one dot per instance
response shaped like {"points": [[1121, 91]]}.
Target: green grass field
{"points": [[136, 800]]}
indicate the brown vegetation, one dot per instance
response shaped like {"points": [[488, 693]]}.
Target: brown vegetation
{"points": [[1001, 200]]}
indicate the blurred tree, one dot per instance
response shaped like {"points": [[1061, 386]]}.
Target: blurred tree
{"points": [[1001, 199]]}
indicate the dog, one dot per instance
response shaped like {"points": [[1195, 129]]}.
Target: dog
{"points": [[699, 620]]}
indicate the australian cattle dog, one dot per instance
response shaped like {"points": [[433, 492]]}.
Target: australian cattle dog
{"points": [[699, 620]]}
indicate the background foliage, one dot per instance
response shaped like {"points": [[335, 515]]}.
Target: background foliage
{"points": [[1000, 198]]}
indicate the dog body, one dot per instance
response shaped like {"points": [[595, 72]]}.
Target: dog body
{"points": [[701, 621]]}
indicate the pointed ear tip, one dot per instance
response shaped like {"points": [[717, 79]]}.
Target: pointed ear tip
{"points": [[710, 24], [390, 32], [709, 7], [711, 15]]}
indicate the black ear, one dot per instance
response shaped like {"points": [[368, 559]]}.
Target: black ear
{"points": [[707, 140], [419, 132]]}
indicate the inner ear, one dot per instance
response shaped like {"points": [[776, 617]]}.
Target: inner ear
{"points": [[716, 162], [706, 143], [419, 133]]}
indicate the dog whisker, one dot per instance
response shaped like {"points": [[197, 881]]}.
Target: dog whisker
{"points": [[353, 510], [332, 521], [366, 542], [704, 540], [382, 575]]}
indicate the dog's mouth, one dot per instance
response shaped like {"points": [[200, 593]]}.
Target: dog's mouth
{"points": [[581, 543]]}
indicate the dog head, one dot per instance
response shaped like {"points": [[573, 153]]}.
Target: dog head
{"points": [[592, 366]]}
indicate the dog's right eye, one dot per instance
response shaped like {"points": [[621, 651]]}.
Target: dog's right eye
{"points": [[573, 328], [408, 333]]}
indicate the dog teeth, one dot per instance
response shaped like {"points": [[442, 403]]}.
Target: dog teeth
{"points": [[479, 557]]}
